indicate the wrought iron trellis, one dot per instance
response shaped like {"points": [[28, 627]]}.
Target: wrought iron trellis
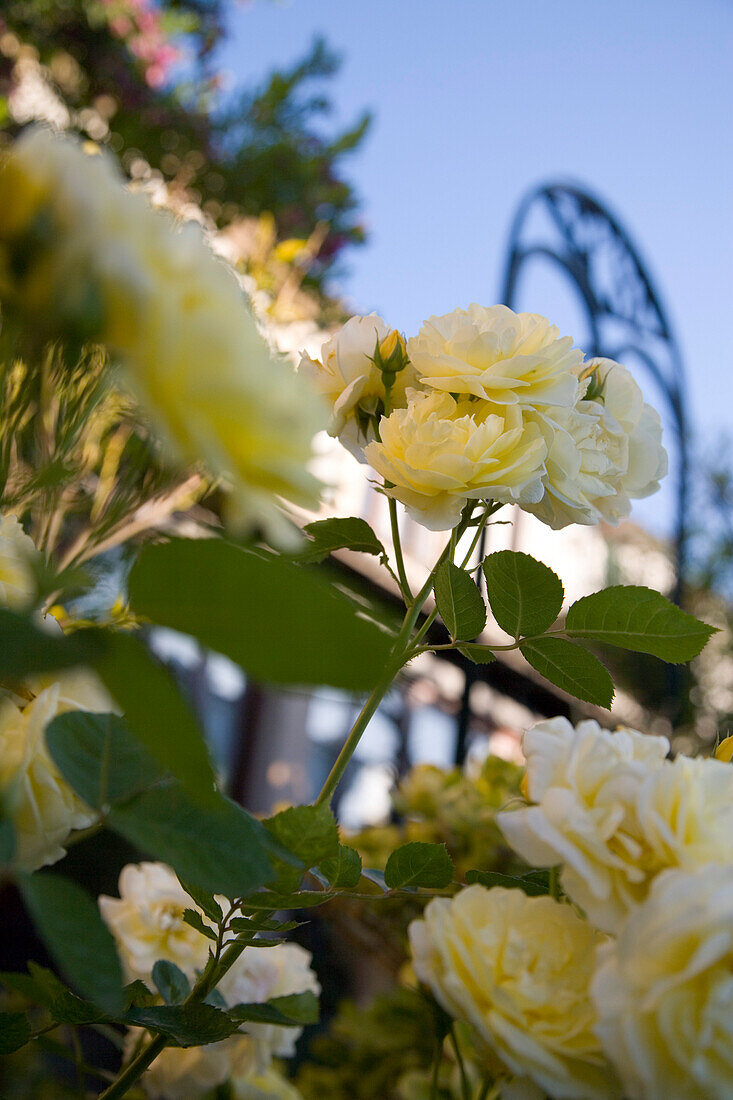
{"points": [[574, 232], [625, 318]]}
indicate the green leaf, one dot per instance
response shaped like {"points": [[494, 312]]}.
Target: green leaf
{"points": [[77, 938], [205, 901], [187, 1025], [343, 870], [20, 983], [299, 899], [156, 713], [309, 832], [218, 847], [328, 535], [525, 595], [15, 1031], [171, 982], [459, 602], [99, 758], [26, 648], [282, 622], [638, 619], [293, 1010], [531, 884], [7, 840], [137, 995], [419, 864], [571, 668], [41, 986], [193, 918], [479, 654], [254, 927]]}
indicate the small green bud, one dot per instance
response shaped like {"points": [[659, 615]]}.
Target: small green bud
{"points": [[390, 356]]}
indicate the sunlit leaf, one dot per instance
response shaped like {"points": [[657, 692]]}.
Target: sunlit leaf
{"points": [[638, 619], [419, 864], [571, 668], [525, 595], [459, 602]]}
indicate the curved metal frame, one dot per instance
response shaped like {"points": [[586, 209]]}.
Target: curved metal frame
{"points": [[624, 314]]}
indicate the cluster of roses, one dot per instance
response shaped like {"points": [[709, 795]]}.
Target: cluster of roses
{"points": [[624, 988], [148, 926], [81, 255], [485, 403]]}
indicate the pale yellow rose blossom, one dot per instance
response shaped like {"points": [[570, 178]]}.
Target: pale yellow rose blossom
{"points": [[352, 384], [615, 813], [17, 551], [601, 453], [270, 1085], [438, 453], [175, 319], [41, 805], [517, 970], [147, 922], [497, 355], [663, 990]]}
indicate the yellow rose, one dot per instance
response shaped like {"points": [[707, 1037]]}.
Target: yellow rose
{"points": [[615, 813], [41, 805], [147, 922], [663, 990], [498, 355], [352, 384], [438, 453], [517, 970], [601, 453], [16, 554]]}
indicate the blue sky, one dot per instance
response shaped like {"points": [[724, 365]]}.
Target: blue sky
{"points": [[475, 101]]}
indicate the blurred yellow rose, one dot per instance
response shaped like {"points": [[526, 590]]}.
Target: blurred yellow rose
{"points": [[518, 969], [257, 976], [41, 805], [16, 554], [498, 355], [105, 265], [270, 1085], [438, 453], [663, 990], [352, 384], [615, 813], [147, 922], [180, 1073]]}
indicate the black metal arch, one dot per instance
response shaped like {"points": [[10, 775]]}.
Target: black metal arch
{"points": [[582, 238]]}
